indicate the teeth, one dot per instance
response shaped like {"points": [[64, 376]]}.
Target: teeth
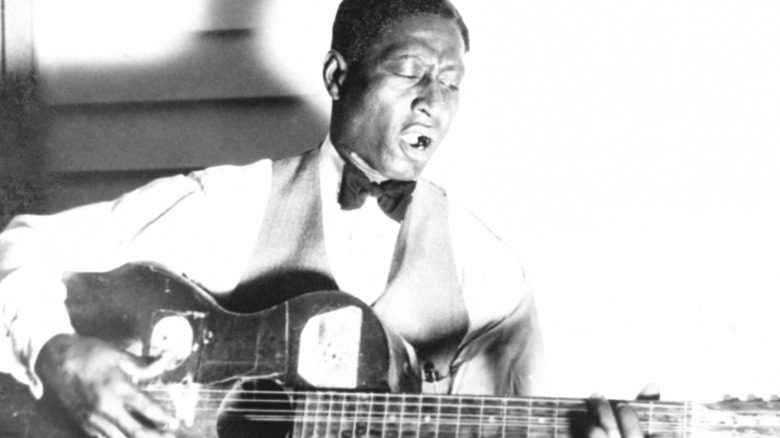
{"points": [[417, 141]]}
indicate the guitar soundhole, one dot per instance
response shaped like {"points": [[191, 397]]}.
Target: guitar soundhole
{"points": [[255, 408]]}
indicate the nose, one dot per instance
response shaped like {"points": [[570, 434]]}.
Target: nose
{"points": [[429, 98]]}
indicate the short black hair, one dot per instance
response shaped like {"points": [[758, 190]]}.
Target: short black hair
{"points": [[360, 23]]}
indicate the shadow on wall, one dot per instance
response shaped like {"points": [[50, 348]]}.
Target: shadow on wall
{"points": [[22, 158], [112, 125]]}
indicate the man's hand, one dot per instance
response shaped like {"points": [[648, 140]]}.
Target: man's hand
{"points": [[606, 424], [622, 421], [95, 383]]}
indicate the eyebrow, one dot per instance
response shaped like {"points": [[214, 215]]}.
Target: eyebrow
{"points": [[404, 54]]}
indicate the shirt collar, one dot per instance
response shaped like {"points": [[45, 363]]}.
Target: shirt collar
{"points": [[336, 162]]}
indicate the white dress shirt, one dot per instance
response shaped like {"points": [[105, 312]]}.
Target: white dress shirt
{"points": [[359, 243]]}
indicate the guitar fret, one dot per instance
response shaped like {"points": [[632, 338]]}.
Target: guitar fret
{"points": [[503, 417], [370, 413], [305, 418], [650, 419], [316, 428], [410, 416], [492, 413], [361, 414], [516, 415], [481, 416], [446, 416], [393, 417], [382, 407], [438, 417], [329, 422], [419, 415], [401, 412], [428, 416], [457, 420], [353, 407], [548, 416], [344, 429], [469, 417]]}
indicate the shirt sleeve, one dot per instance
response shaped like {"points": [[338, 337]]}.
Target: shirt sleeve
{"points": [[35, 251], [502, 352]]}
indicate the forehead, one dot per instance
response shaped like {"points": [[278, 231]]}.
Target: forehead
{"points": [[421, 35]]}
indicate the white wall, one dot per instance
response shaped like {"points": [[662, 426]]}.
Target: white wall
{"points": [[627, 150], [634, 149]]}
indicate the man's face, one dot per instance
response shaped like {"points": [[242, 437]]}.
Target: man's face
{"points": [[396, 105]]}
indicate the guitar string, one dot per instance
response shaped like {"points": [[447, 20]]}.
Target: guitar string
{"points": [[519, 402], [393, 399], [413, 417], [412, 422], [671, 408], [428, 400], [674, 428]]}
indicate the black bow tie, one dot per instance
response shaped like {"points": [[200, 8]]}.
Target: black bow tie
{"points": [[392, 196]]}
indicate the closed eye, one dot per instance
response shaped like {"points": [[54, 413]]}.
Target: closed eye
{"points": [[452, 87]]}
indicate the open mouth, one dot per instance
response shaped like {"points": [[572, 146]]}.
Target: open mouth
{"points": [[418, 141]]}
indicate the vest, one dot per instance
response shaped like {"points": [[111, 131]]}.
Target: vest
{"points": [[422, 301]]}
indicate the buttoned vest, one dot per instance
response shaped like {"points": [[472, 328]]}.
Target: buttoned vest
{"points": [[422, 301]]}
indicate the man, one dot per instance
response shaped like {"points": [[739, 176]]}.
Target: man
{"points": [[432, 272]]}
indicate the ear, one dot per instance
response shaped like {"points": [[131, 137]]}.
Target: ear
{"points": [[334, 72]]}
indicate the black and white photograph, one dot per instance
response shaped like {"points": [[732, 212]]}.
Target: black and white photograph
{"points": [[389, 218]]}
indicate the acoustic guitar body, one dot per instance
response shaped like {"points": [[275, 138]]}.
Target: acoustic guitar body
{"points": [[226, 374]]}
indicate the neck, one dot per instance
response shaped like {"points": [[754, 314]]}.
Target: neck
{"points": [[334, 414], [329, 414]]}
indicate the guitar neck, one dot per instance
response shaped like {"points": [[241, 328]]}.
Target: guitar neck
{"points": [[340, 414]]}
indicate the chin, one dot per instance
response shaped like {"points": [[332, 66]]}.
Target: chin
{"points": [[405, 174]]}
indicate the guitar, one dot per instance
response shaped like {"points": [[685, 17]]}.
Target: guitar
{"points": [[317, 365]]}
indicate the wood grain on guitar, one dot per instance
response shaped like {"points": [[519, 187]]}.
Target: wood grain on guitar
{"points": [[318, 365]]}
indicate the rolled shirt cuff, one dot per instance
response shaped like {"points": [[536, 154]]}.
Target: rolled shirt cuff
{"points": [[33, 311]]}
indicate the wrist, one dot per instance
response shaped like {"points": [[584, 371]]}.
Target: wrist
{"points": [[53, 354]]}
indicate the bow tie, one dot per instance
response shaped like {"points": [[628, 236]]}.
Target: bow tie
{"points": [[392, 196]]}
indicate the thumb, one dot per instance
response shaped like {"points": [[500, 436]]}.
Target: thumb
{"points": [[651, 391], [140, 368]]}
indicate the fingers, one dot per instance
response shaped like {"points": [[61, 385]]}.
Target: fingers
{"points": [[99, 427], [144, 406], [95, 383], [120, 424], [126, 412], [629, 422], [117, 421], [131, 427], [604, 423], [140, 403], [651, 391], [140, 369], [135, 412]]}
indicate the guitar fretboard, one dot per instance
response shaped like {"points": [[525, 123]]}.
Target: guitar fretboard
{"points": [[332, 414], [335, 414]]}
